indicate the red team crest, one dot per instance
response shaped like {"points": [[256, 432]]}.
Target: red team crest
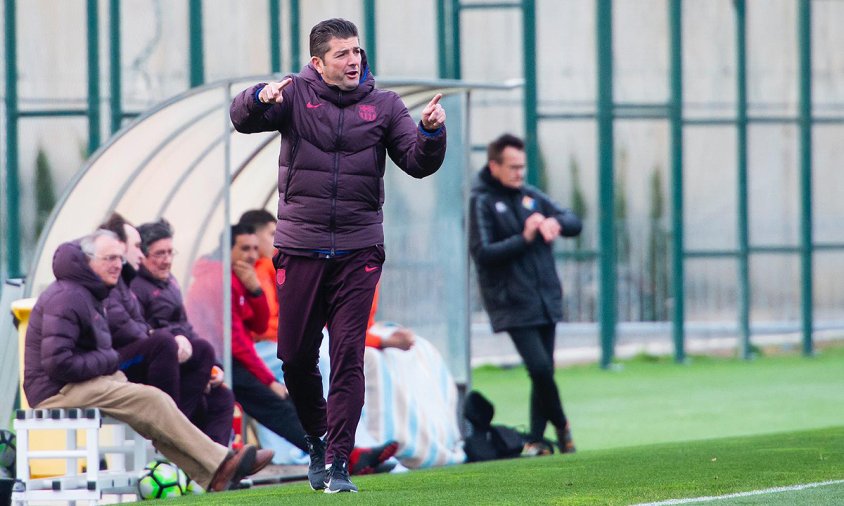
{"points": [[367, 112], [280, 277]]}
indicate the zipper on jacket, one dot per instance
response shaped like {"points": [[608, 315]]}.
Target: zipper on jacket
{"points": [[333, 222], [290, 168], [377, 171]]}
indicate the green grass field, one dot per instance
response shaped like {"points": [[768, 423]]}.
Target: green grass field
{"points": [[655, 401], [649, 431]]}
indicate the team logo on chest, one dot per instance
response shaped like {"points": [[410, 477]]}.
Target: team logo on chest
{"points": [[367, 112]]}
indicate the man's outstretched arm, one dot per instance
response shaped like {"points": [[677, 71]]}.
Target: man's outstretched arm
{"points": [[260, 108], [418, 149]]}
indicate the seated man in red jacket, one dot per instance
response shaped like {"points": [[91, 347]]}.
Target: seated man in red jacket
{"points": [[254, 386]]}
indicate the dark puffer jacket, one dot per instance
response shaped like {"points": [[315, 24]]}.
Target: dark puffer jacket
{"points": [[518, 280], [67, 340], [333, 153], [125, 320], [161, 304]]}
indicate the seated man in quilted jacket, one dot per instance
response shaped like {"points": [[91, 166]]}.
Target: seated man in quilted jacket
{"points": [[69, 362]]}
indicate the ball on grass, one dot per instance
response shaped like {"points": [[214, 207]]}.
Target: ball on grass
{"points": [[161, 479]]}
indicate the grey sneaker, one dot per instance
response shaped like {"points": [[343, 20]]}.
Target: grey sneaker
{"points": [[316, 470], [338, 478]]}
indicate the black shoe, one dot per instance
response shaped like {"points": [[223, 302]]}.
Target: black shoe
{"points": [[565, 441], [337, 479], [316, 469]]}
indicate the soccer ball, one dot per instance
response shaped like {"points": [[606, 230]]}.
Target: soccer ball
{"points": [[161, 479], [192, 487], [7, 452]]}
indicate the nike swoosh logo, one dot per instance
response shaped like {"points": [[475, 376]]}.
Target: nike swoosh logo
{"points": [[370, 269], [313, 106]]}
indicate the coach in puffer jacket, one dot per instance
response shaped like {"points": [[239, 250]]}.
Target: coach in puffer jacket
{"points": [[337, 130], [334, 147]]}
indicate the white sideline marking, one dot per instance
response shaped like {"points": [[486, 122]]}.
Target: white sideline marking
{"points": [[774, 490]]}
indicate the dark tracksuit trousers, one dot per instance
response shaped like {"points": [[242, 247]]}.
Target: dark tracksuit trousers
{"points": [[536, 347], [153, 361], [336, 292]]}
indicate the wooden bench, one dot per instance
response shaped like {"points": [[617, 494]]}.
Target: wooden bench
{"points": [[126, 454]]}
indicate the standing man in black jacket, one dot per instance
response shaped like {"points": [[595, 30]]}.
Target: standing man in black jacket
{"points": [[512, 227]]}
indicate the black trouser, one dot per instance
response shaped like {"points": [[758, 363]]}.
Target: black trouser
{"points": [[335, 293], [153, 361], [262, 404], [536, 347]]}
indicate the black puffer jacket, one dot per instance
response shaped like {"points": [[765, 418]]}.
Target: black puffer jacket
{"points": [[67, 340], [334, 146], [125, 319], [518, 280]]}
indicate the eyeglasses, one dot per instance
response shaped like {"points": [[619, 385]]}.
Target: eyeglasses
{"points": [[161, 255], [110, 259]]}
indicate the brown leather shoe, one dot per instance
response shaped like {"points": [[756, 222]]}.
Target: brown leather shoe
{"points": [[233, 469], [262, 457]]}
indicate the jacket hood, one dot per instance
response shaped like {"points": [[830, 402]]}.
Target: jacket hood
{"points": [[71, 264], [486, 182], [334, 94]]}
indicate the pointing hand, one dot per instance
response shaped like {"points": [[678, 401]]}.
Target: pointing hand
{"points": [[433, 115], [271, 93]]}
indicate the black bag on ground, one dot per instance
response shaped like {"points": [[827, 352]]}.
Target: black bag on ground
{"points": [[508, 441], [487, 441], [478, 411]]}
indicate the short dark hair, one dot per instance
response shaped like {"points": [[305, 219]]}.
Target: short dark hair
{"points": [[116, 224], [153, 232], [497, 147], [240, 229], [324, 31], [257, 218]]}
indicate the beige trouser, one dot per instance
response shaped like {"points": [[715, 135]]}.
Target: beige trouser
{"points": [[153, 414]]}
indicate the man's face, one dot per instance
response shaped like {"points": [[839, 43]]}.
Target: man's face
{"points": [[266, 238], [107, 261], [341, 64], [510, 172], [134, 255], [245, 249], [159, 258]]}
